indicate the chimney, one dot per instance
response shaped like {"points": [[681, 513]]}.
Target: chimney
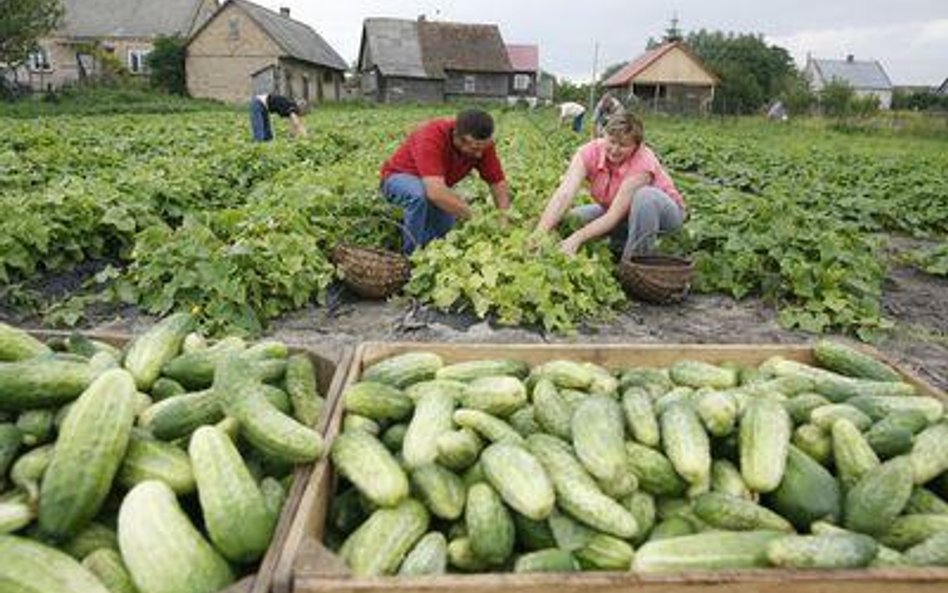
{"points": [[285, 11], [849, 58], [422, 18]]}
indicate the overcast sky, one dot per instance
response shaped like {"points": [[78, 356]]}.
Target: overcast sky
{"points": [[908, 37]]}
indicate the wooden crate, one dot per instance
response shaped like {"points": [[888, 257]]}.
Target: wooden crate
{"points": [[332, 367], [307, 567]]}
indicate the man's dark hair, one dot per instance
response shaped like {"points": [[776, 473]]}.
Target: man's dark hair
{"points": [[474, 123]]}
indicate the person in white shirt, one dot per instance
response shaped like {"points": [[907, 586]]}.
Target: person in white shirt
{"points": [[575, 111]]}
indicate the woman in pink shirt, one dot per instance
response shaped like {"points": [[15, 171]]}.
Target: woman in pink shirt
{"points": [[635, 198]]}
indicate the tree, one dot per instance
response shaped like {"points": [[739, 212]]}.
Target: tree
{"points": [[22, 24], [569, 91], [610, 70], [752, 73], [166, 65], [836, 98]]}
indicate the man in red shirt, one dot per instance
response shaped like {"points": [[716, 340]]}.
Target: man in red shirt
{"points": [[419, 176]]}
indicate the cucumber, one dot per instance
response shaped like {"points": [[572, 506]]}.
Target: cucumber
{"points": [[548, 560], [236, 515], [851, 362], [837, 550], [31, 567], [43, 382], [442, 491], [162, 549], [807, 493], [302, 385], [88, 453], [475, 369], [706, 551], [381, 544], [520, 480], [149, 352], [366, 463], [16, 344], [377, 401], [764, 441], [269, 430], [429, 556], [490, 528]]}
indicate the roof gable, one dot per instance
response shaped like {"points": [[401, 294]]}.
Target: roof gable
{"points": [[393, 46], [524, 58], [298, 40], [651, 58], [428, 49], [859, 74], [462, 46], [128, 18]]}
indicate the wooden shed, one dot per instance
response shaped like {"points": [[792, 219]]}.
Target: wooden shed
{"points": [[669, 77], [431, 61]]}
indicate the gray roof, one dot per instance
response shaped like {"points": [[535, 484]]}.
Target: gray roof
{"points": [[859, 74], [427, 49], [297, 39], [394, 47], [128, 18], [943, 89]]}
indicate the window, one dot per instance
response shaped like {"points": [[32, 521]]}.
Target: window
{"points": [[305, 88], [469, 84], [38, 61], [233, 29], [136, 61], [521, 82]]}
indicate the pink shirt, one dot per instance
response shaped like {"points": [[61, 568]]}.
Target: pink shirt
{"points": [[604, 178]]}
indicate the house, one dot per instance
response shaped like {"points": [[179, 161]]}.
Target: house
{"points": [[866, 77], [943, 89], [525, 65], [669, 77], [245, 49], [430, 61], [96, 30]]}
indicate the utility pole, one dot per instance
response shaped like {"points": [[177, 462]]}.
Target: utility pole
{"points": [[592, 91]]}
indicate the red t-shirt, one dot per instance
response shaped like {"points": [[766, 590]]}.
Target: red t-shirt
{"points": [[430, 152]]}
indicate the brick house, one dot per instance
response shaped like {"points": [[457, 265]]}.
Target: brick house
{"points": [[245, 49], [431, 61], [92, 29]]}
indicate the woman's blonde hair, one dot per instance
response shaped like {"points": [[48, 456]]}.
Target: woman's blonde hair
{"points": [[625, 124]]}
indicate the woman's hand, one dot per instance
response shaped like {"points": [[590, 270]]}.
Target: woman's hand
{"points": [[570, 245]]}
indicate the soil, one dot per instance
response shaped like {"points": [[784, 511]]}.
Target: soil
{"points": [[917, 302]]}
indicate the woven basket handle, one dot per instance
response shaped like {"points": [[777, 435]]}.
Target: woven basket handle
{"points": [[630, 247], [390, 220]]}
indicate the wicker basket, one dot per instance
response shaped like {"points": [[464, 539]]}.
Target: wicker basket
{"points": [[657, 278], [371, 273]]}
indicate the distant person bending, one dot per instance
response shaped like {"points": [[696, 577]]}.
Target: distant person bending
{"points": [[571, 110], [635, 198], [261, 106], [605, 108], [419, 176]]}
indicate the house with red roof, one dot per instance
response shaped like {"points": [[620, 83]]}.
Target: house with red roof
{"points": [[525, 69], [669, 77]]}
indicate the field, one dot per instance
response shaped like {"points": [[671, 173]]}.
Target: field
{"points": [[796, 229]]}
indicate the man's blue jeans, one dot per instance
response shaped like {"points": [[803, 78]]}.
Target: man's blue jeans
{"points": [[260, 121], [424, 221]]}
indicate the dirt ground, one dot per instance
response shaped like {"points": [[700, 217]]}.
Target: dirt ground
{"points": [[917, 302]]}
